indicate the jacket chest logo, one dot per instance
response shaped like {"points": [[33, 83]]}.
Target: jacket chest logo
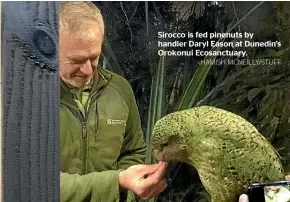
{"points": [[115, 121]]}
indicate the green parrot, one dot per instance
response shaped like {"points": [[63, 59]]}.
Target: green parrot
{"points": [[227, 151]]}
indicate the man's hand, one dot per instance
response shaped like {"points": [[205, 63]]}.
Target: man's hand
{"points": [[145, 180]]}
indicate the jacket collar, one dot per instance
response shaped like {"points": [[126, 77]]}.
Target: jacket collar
{"points": [[101, 80]]}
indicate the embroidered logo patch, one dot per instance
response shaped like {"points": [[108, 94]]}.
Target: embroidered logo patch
{"points": [[115, 121]]}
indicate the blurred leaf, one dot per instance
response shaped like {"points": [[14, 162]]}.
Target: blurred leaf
{"points": [[192, 92], [186, 73], [253, 93], [137, 77], [274, 124], [110, 59], [159, 16], [276, 54], [155, 106]]}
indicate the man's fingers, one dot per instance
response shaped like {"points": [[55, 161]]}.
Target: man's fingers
{"points": [[153, 190], [287, 177], [161, 171], [160, 187], [153, 181], [148, 169], [163, 185], [243, 198]]}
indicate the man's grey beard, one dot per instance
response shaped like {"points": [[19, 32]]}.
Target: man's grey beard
{"points": [[73, 84]]}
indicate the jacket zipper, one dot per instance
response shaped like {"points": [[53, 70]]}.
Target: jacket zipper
{"points": [[84, 134], [83, 120], [93, 97], [97, 124], [84, 143]]}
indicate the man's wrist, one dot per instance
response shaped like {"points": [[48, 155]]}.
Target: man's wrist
{"points": [[122, 180]]}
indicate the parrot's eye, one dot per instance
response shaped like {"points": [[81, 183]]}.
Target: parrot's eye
{"points": [[164, 145]]}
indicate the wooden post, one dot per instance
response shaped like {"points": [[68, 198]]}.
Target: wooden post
{"points": [[30, 93], [1, 111]]}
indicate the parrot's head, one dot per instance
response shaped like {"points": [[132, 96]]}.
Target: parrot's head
{"points": [[170, 138]]}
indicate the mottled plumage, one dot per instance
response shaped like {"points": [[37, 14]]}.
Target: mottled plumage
{"points": [[227, 151]]}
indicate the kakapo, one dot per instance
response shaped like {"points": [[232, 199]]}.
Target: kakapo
{"points": [[227, 151]]}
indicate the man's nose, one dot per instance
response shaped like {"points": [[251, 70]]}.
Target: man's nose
{"points": [[87, 68]]}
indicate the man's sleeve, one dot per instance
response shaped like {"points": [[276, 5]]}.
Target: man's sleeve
{"points": [[95, 186], [134, 148]]}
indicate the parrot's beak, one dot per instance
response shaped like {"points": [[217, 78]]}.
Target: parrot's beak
{"points": [[159, 155]]}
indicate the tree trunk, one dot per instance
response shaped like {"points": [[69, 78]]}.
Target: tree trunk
{"points": [[30, 92]]}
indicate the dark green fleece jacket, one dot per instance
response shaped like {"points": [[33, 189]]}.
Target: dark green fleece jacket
{"points": [[98, 140]]}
